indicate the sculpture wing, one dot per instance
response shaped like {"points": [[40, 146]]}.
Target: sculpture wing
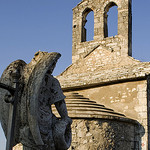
{"points": [[6, 78], [46, 64]]}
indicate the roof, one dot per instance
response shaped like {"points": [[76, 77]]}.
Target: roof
{"points": [[100, 67]]}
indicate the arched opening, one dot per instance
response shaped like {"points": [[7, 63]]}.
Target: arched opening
{"points": [[111, 20], [87, 25]]}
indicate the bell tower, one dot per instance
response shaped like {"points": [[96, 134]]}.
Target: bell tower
{"points": [[121, 44]]}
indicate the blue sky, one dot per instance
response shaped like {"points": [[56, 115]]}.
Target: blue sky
{"points": [[27, 26]]}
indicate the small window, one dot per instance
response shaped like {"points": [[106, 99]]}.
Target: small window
{"points": [[87, 25], [111, 20]]}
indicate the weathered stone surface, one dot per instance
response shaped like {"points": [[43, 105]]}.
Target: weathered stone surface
{"points": [[7, 79], [103, 69], [36, 127], [121, 43], [99, 134], [98, 127], [104, 72]]}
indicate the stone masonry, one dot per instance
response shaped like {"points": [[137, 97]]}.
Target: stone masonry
{"points": [[96, 127], [102, 135], [103, 69], [110, 90], [120, 44]]}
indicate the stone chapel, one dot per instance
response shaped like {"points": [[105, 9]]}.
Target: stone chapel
{"points": [[107, 90]]}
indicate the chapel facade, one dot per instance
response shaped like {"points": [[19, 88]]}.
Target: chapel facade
{"points": [[103, 72], [107, 90]]}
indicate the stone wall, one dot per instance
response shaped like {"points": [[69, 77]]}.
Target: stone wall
{"points": [[103, 71], [121, 42], [129, 98], [101, 134], [98, 134], [102, 66]]}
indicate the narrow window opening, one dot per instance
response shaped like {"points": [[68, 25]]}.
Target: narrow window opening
{"points": [[111, 20], [88, 25]]}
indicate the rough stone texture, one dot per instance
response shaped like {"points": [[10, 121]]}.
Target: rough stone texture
{"points": [[99, 134], [96, 127], [102, 135], [99, 127], [103, 69], [36, 127], [7, 79], [129, 98], [119, 83], [120, 43], [102, 66]]}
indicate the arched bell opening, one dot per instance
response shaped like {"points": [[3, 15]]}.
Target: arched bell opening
{"points": [[110, 20], [87, 25]]}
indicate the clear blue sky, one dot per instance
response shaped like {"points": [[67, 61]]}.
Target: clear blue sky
{"points": [[27, 26]]}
